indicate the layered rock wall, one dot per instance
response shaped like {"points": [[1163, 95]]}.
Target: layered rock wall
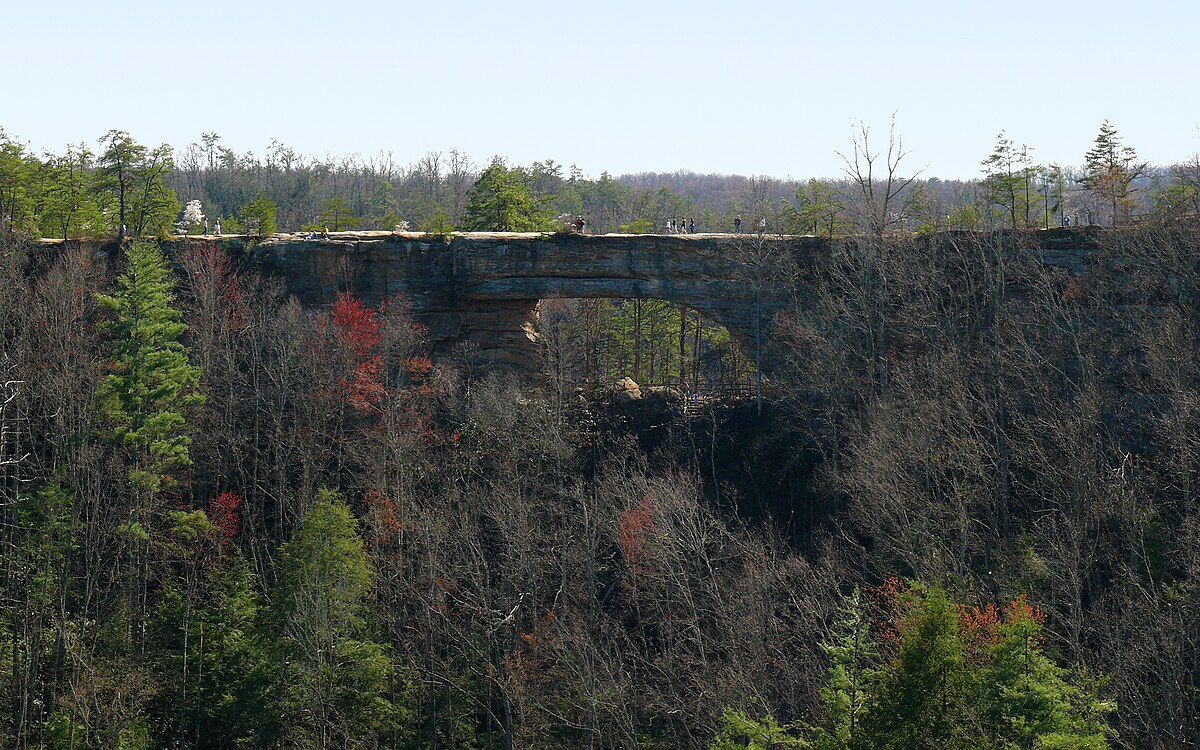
{"points": [[481, 290]]}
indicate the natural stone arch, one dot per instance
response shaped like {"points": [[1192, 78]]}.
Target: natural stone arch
{"points": [[482, 289]]}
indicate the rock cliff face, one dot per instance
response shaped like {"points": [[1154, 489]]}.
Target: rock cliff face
{"points": [[482, 289]]}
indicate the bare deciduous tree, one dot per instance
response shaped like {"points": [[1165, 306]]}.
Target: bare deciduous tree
{"points": [[879, 187]]}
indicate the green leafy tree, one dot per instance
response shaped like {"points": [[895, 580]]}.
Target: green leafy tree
{"points": [[389, 221], [117, 172], [604, 203], [258, 216], [821, 208], [218, 688], [336, 215], [1027, 700], [146, 398], [334, 676], [16, 171], [740, 732], [1181, 197], [143, 405], [154, 205], [925, 210], [1054, 189], [44, 542], [132, 176], [1110, 168], [912, 669], [637, 226], [1001, 181], [967, 215], [438, 224], [1008, 181], [850, 681], [920, 694], [501, 202], [70, 208]]}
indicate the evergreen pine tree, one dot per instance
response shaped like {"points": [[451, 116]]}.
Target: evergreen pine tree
{"points": [[335, 677], [1025, 699], [226, 700], [143, 403], [501, 202], [850, 681], [740, 732], [1110, 169], [1001, 182], [258, 216], [145, 399], [919, 699]]}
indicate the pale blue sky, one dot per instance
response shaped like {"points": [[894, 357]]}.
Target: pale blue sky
{"points": [[752, 87]]}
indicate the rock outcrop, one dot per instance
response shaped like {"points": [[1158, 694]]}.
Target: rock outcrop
{"points": [[480, 291], [627, 390]]}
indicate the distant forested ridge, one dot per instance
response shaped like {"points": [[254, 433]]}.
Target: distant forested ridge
{"points": [[92, 190]]}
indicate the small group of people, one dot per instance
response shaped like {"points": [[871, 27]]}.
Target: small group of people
{"points": [[683, 225], [737, 224], [217, 227]]}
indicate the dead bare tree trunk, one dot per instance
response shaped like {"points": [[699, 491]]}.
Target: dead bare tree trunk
{"points": [[877, 197]]}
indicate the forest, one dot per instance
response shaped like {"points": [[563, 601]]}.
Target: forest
{"points": [[90, 193], [962, 514]]}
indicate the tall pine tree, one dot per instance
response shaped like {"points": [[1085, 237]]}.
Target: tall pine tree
{"points": [[143, 403], [146, 397], [335, 676], [1110, 169]]}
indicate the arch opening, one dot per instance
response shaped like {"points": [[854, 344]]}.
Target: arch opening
{"points": [[592, 343]]}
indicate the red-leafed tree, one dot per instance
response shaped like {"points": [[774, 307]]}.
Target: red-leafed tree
{"points": [[383, 520], [358, 330], [224, 511], [635, 528], [218, 293]]}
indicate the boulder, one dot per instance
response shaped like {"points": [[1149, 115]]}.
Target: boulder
{"points": [[626, 390]]}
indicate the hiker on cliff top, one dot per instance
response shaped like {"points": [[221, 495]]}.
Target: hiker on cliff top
{"points": [[579, 223], [692, 225], [737, 224]]}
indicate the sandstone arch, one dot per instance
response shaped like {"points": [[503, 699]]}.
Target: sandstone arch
{"points": [[482, 288]]}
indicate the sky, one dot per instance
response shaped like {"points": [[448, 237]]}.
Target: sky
{"points": [[744, 87]]}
